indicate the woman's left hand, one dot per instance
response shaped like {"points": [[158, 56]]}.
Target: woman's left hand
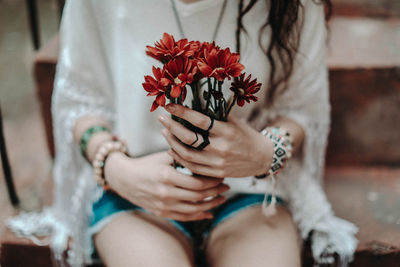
{"points": [[235, 149]]}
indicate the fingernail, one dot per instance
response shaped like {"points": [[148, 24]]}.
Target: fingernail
{"points": [[170, 107], [161, 118]]}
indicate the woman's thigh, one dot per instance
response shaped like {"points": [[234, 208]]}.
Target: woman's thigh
{"points": [[139, 239], [250, 239]]}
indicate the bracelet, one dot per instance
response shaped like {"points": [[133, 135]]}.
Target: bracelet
{"points": [[101, 156], [88, 134], [283, 146]]}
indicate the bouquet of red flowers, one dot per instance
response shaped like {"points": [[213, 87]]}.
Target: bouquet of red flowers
{"points": [[203, 67]]}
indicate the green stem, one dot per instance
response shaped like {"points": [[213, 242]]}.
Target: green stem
{"points": [[209, 95], [212, 106], [229, 109], [215, 101], [175, 164], [220, 107], [196, 105], [203, 83]]}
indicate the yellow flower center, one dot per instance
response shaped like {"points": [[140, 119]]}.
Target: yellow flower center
{"points": [[241, 91], [177, 80]]}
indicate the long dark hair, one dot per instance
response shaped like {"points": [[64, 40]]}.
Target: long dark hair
{"points": [[285, 26]]}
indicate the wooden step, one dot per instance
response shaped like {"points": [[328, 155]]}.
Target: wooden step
{"points": [[364, 63], [367, 8], [365, 117], [366, 43], [44, 68], [369, 197]]}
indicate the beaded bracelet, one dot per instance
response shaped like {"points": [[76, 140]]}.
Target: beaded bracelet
{"points": [[88, 134], [101, 156], [283, 146]]}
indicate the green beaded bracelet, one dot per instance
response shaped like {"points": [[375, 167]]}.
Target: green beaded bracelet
{"points": [[88, 134]]}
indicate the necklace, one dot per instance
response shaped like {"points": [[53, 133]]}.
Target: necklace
{"points": [[179, 23]]}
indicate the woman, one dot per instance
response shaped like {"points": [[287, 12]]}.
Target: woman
{"points": [[98, 84]]}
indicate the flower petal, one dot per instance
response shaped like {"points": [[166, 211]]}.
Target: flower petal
{"points": [[160, 99], [205, 69], [154, 106], [175, 91], [240, 102]]}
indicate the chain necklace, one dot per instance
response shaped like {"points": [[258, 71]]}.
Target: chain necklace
{"points": [[179, 23]]}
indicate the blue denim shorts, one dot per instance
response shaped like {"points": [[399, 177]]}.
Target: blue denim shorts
{"points": [[111, 204]]}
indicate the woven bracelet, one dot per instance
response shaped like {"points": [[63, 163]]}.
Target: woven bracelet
{"points": [[88, 134], [283, 146]]}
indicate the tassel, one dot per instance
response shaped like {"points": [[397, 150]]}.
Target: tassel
{"points": [[333, 235], [270, 209]]}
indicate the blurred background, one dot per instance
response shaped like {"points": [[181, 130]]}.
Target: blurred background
{"points": [[23, 127], [363, 159]]}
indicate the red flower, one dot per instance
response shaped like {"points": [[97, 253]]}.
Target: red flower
{"points": [[156, 87], [167, 49], [178, 73], [244, 89], [204, 48], [220, 64]]}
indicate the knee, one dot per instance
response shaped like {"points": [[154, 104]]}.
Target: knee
{"points": [[130, 240], [251, 240]]}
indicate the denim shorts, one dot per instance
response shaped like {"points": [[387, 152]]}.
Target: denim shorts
{"points": [[111, 204]]}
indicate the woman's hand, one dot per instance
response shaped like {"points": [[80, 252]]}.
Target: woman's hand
{"points": [[235, 149], [153, 184]]}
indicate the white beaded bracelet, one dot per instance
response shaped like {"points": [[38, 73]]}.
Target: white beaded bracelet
{"points": [[100, 158]]}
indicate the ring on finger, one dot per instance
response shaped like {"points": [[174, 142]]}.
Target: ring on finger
{"points": [[205, 143], [211, 124], [195, 141]]}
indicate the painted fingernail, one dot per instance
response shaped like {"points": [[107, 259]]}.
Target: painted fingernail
{"points": [[161, 119], [170, 107]]}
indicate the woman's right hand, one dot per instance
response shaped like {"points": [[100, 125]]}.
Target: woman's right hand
{"points": [[153, 184]]}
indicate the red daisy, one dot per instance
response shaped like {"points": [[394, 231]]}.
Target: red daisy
{"points": [[167, 49], [179, 72], [220, 64], [156, 87], [245, 89], [204, 48]]}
